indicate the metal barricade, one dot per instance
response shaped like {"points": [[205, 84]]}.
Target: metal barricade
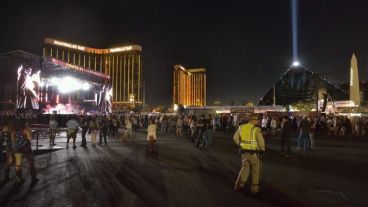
{"points": [[40, 131]]}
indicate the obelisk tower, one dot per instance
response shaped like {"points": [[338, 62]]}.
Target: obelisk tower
{"points": [[354, 81]]}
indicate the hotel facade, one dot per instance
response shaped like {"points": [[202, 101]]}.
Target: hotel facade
{"points": [[189, 86], [122, 64]]}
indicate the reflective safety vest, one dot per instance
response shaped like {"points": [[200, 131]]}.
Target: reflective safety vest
{"points": [[248, 137]]}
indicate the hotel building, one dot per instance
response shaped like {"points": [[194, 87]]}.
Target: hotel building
{"points": [[122, 64], [189, 86]]}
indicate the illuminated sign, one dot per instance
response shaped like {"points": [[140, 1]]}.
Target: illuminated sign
{"points": [[93, 50], [121, 49], [81, 69], [242, 110], [65, 44], [348, 103]]}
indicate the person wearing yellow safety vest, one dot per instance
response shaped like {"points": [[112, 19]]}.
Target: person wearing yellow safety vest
{"points": [[251, 147]]}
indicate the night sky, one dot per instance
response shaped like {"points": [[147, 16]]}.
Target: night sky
{"points": [[244, 45]]}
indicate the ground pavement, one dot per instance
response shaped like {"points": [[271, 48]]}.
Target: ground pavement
{"points": [[121, 174]]}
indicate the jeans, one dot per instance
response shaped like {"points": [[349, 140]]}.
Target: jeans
{"points": [[104, 135], [84, 132], [205, 139], [285, 140], [200, 137], [303, 141], [311, 135]]}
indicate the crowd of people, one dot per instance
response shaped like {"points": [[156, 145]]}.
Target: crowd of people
{"points": [[16, 133], [197, 128]]}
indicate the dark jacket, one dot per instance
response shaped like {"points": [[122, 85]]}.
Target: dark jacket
{"points": [[305, 126], [287, 129]]}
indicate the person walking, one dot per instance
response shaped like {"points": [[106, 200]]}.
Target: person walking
{"points": [[115, 127], [104, 130], [273, 126], [5, 137], [286, 129], [129, 128], [264, 123], [201, 129], [193, 125], [251, 147], [207, 135], [72, 127], [21, 140], [179, 127], [93, 128], [151, 137], [84, 125], [72, 130], [53, 129], [313, 123], [305, 129]]}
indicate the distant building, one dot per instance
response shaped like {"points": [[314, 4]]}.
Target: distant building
{"points": [[189, 86], [122, 64], [298, 84]]}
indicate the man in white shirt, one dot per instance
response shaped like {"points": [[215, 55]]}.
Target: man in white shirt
{"points": [[179, 127], [72, 126], [53, 128], [151, 137], [128, 128], [264, 123], [273, 126]]}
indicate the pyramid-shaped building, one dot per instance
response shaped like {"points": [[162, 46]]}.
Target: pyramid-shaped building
{"points": [[300, 84]]}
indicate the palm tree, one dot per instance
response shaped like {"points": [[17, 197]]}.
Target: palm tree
{"points": [[317, 85]]}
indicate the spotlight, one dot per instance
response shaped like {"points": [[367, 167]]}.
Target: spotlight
{"points": [[69, 84], [86, 86], [296, 63]]}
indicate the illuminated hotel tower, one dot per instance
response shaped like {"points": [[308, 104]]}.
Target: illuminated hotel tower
{"points": [[354, 81], [189, 86], [123, 64]]}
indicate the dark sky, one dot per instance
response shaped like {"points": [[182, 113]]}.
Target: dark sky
{"points": [[244, 45]]}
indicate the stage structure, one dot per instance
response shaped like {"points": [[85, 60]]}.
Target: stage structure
{"points": [[67, 88], [123, 66]]}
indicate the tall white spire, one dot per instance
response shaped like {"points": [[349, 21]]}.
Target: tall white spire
{"points": [[354, 81]]}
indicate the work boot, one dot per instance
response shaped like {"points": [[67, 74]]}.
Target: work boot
{"points": [[34, 181], [254, 189], [6, 175], [238, 186], [19, 177]]}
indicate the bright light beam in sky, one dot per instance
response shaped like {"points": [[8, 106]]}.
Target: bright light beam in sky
{"points": [[294, 28]]}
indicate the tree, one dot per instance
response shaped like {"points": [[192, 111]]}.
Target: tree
{"points": [[248, 104], [317, 85], [303, 106]]}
